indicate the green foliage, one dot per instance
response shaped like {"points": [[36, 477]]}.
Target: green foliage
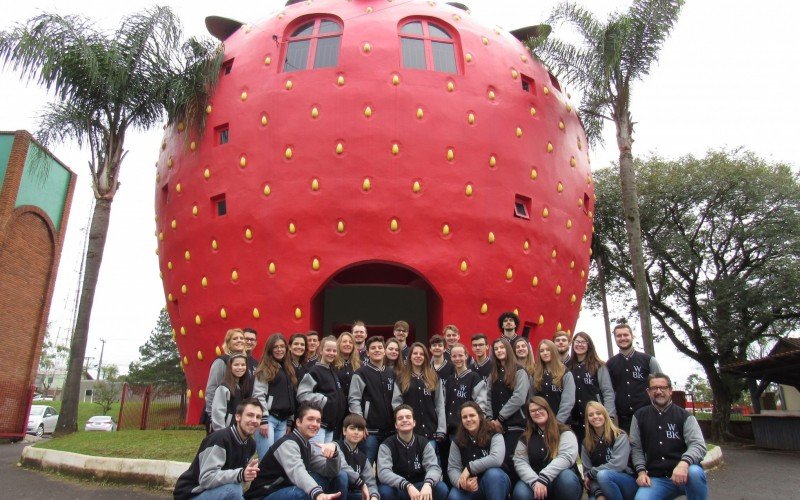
{"points": [[182, 445], [105, 395], [159, 360], [698, 386], [722, 252]]}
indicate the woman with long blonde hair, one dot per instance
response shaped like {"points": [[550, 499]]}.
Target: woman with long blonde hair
{"points": [[523, 353], [417, 385], [545, 457], [509, 386], [605, 455], [233, 343], [348, 359], [554, 382]]}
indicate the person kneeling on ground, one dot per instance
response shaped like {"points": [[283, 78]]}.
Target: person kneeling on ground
{"points": [[407, 465], [545, 457], [667, 447], [476, 458], [223, 462], [285, 472], [605, 457], [360, 476]]}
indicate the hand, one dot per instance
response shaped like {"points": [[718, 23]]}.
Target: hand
{"points": [[472, 485], [328, 496], [680, 474], [263, 429], [426, 493], [586, 483], [462, 479], [496, 426], [413, 492], [364, 492], [328, 450], [539, 491], [251, 470], [643, 479]]}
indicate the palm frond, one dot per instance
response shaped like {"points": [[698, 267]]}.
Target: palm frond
{"points": [[651, 22], [588, 26]]}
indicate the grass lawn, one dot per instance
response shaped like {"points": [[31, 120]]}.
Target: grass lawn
{"points": [[180, 446]]}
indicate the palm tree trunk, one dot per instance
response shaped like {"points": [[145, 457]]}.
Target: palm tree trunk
{"points": [[68, 418], [630, 209], [601, 281]]}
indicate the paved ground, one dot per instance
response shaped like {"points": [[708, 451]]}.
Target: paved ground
{"points": [[17, 482]]}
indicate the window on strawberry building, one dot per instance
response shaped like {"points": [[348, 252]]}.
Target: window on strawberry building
{"points": [[427, 45], [313, 45]]}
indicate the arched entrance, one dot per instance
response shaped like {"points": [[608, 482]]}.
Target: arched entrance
{"points": [[378, 293]]}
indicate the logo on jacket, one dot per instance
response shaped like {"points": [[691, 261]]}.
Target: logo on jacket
{"points": [[461, 391], [672, 431], [637, 373]]}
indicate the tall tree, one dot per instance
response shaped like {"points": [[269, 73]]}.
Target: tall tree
{"points": [[610, 57], [159, 361], [722, 239], [105, 85]]}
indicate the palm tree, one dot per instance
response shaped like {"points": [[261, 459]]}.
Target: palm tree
{"points": [[610, 58], [106, 84]]}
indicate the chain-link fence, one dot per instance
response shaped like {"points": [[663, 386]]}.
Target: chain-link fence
{"points": [[151, 407]]}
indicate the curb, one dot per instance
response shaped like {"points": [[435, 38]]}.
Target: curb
{"points": [[713, 459], [152, 473]]}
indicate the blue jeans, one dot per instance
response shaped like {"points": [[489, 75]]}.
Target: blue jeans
{"points": [[336, 484], [567, 486], [276, 428], [389, 493], [231, 491], [662, 488], [371, 445], [493, 485], [617, 485]]}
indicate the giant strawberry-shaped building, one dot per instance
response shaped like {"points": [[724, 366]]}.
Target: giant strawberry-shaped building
{"points": [[378, 160]]}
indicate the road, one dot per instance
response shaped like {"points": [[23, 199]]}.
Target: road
{"points": [[18, 482]]}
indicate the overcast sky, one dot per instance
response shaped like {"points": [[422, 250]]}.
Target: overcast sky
{"points": [[721, 81]]}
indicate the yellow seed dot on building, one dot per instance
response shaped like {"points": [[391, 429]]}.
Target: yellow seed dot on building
{"points": [[573, 162], [256, 313], [471, 118], [187, 255], [169, 265], [572, 264], [526, 245], [248, 234], [518, 132], [339, 148], [535, 281], [485, 40], [395, 80], [573, 298], [560, 187], [218, 351], [393, 225], [545, 212], [188, 393], [367, 48], [193, 145], [445, 229], [267, 61], [183, 330], [195, 210], [514, 74], [420, 113], [468, 57], [169, 162], [184, 289], [298, 313], [559, 327], [369, 10], [545, 90], [484, 308], [267, 190], [223, 313], [569, 107], [197, 320], [580, 144], [170, 297], [200, 394], [289, 85], [583, 274], [185, 360], [558, 289], [204, 282], [450, 154], [314, 112], [160, 236], [292, 228], [416, 187], [590, 252], [208, 109], [395, 149], [584, 238], [340, 227], [553, 254], [206, 174], [490, 238], [173, 224], [156, 251], [534, 174], [509, 273], [366, 185], [264, 120], [541, 319], [315, 264], [463, 266], [271, 268], [569, 223], [340, 80], [451, 86], [561, 125], [243, 161], [288, 153], [244, 96], [491, 95], [533, 111], [200, 355], [314, 184], [468, 190], [234, 275], [492, 161], [368, 111], [550, 147]]}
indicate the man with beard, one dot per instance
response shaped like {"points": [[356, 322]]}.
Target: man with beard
{"points": [[561, 340]]}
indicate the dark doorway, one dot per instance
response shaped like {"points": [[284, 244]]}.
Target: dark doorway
{"points": [[379, 294]]}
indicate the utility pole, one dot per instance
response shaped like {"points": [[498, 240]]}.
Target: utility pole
{"points": [[86, 360], [100, 364]]}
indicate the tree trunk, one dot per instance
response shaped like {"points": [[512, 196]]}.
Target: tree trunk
{"points": [[68, 418], [630, 209], [601, 281], [721, 396]]}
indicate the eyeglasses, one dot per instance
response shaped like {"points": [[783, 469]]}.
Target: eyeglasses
{"points": [[400, 330], [249, 340], [580, 342], [659, 388], [538, 411]]}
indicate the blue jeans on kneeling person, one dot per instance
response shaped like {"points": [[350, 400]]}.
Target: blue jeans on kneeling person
{"points": [[389, 493], [232, 491], [338, 484], [617, 485], [566, 486], [493, 485], [662, 488]]}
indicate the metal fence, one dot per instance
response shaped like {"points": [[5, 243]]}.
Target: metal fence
{"points": [[151, 407]]}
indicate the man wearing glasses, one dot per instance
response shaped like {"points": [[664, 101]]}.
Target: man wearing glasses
{"points": [[401, 334], [250, 340], [667, 447]]}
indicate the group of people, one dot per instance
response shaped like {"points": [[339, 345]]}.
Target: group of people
{"points": [[361, 417]]}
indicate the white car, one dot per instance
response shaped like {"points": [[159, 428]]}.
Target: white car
{"points": [[42, 420], [101, 423]]}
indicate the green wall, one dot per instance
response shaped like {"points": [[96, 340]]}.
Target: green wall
{"points": [[45, 184], [6, 141]]}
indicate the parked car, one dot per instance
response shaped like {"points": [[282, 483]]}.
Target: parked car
{"points": [[101, 423], [42, 420]]}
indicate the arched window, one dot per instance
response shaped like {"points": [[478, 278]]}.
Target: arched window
{"points": [[314, 44], [426, 45]]}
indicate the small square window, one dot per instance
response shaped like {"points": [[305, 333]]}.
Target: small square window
{"points": [[587, 203], [527, 328], [554, 81], [227, 67], [223, 134], [522, 207], [527, 84], [220, 206]]}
